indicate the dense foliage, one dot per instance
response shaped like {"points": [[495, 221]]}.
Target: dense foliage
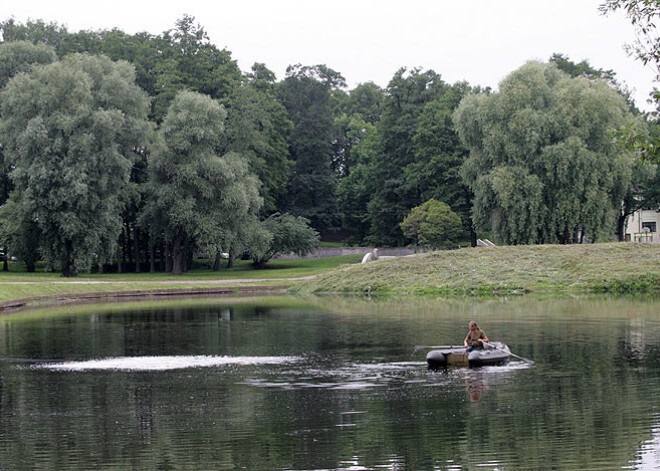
{"points": [[196, 195], [147, 150], [433, 225], [284, 234], [643, 14], [70, 131], [306, 94], [542, 164]]}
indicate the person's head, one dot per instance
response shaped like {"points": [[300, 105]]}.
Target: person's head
{"points": [[473, 325]]}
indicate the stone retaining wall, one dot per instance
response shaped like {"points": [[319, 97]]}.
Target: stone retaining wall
{"points": [[323, 252]]}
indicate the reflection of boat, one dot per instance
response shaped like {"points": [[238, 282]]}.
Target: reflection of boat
{"points": [[476, 384], [494, 353]]}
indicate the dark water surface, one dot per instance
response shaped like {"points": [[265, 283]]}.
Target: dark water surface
{"points": [[280, 384]]}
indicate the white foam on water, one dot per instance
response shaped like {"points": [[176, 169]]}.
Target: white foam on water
{"points": [[162, 363]]}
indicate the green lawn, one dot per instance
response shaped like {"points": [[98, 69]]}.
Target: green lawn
{"points": [[17, 284], [242, 269]]}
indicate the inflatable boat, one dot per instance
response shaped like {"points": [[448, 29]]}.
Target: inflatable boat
{"points": [[494, 353]]}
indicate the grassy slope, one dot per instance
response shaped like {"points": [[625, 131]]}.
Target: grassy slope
{"points": [[620, 267]]}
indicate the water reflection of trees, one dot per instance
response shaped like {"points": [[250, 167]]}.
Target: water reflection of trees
{"points": [[586, 404]]}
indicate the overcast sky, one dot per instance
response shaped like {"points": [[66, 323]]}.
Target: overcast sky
{"points": [[480, 41]]}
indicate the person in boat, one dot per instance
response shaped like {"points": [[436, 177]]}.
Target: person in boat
{"points": [[475, 338]]}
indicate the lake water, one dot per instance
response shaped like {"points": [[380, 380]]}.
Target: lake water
{"points": [[329, 384]]}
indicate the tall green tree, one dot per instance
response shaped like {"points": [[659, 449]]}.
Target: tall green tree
{"points": [[438, 156], [22, 56], [639, 194], [180, 58], [196, 194], [406, 94], [20, 233], [258, 128], [582, 69], [366, 101], [355, 190], [643, 15], [34, 31], [190, 61], [586, 70], [311, 191], [18, 57], [542, 163], [72, 129], [353, 114], [419, 152]]}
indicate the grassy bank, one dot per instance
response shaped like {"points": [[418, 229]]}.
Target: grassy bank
{"points": [[615, 267], [612, 267], [17, 284]]}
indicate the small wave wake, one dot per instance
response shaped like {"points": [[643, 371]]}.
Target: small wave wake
{"points": [[163, 363]]}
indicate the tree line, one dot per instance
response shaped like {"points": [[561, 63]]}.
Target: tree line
{"points": [[136, 151]]}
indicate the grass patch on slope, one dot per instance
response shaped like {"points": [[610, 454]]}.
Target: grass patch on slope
{"points": [[610, 267]]}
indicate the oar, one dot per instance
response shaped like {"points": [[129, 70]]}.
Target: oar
{"points": [[531, 362]]}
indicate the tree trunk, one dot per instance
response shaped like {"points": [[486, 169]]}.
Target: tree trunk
{"points": [[136, 248], [230, 260], [129, 245], [5, 197], [119, 247], [217, 261], [473, 237], [119, 258], [178, 256], [68, 270], [621, 227], [152, 262], [166, 259], [124, 245]]}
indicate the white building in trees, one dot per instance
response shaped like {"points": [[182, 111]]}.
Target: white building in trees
{"points": [[643, 226]]}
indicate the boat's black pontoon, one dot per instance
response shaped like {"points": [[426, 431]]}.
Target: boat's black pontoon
{"points": [[494, 353]]}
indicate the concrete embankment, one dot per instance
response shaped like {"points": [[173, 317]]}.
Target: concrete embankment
{"points": [[324, 252]]}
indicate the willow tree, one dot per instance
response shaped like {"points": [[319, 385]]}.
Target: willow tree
{"points": [[197, 195], [71, 130], [543, 165], [18, 57]]}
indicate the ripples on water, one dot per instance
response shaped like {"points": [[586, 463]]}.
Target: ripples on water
{"points": [[396, 382], [365, 376], [266, 388]]}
